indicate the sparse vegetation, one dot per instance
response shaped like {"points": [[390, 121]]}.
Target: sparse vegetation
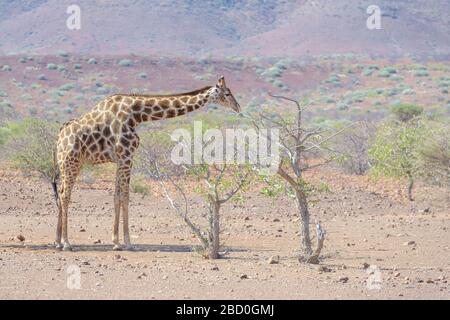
{"points": [[216, 184], [406, 112], [125, 63], [29, 145]]}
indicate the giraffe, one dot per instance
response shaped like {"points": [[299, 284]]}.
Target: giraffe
{"points": [[108, 134]]}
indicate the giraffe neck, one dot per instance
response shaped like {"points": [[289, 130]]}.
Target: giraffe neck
{"points": [[153, 108]]}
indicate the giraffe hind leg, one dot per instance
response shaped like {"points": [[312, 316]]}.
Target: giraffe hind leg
{"points": [[115, 236], [124, 172], [58, 244]]}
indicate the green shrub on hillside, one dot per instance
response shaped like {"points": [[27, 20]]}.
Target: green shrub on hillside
{"points": [[387, 72], [421, 73], [334, 79], [52, 66], [63, 53], [125, 63], [406, 112], [67, 87], [61, 68], [29, 145], [142, 75]]}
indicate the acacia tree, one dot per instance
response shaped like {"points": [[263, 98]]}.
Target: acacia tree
{"points": [[394, 151], [217, 183], [297, 143]]}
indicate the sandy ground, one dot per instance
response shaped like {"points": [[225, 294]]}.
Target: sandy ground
{"points": [[408, 243]]}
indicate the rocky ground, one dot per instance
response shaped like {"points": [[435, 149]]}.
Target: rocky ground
{"points": [[377, 247]]}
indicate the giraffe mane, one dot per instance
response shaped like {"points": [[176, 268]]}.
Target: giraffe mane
{"points": [[191, 93]]}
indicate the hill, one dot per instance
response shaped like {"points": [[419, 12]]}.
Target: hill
{"points": [[226, 27]]}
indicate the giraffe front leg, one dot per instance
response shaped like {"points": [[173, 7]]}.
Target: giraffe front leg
{"points": [[126, 229], [124, 182], [67, 184], [64, 223], [58, 244]]}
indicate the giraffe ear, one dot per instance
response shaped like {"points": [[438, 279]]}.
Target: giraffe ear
{"points": [[221, 81]]}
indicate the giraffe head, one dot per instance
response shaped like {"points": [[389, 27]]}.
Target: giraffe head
{"points": [[223, 96]]}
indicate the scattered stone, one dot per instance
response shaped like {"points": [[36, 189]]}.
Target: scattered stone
{"points": [[243, 276], [215, 268], [142, 275], [366, 265], [82, 230], [21, 238], [397, 275], [274, 260], [97, 241], [343, 279], [324, 269], [276, 220], [409, 243]]}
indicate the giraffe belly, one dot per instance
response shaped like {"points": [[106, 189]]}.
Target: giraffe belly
{"points": [[98, 157]]}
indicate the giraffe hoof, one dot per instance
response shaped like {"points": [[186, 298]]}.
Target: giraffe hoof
{"points": [[67, 247], [117, 248]]}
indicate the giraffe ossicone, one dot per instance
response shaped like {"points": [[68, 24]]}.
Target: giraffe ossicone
{"points": [[108, 134]]}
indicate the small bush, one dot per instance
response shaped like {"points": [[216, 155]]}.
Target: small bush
{"points": [[102, 91], [67, 87], [421, 73], [30, 147], [368, 72], [6, 68], [63, 53], [61, 68], [138, 185], [406, 112], [334, 79], [273, 72], [52, 66], [384, 74], [125, 63]]}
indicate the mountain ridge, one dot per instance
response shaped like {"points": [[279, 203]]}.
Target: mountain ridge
{"points": [[226, 27]]}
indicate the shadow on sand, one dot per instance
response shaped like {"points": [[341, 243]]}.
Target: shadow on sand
{"points": [[109, 248]]}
